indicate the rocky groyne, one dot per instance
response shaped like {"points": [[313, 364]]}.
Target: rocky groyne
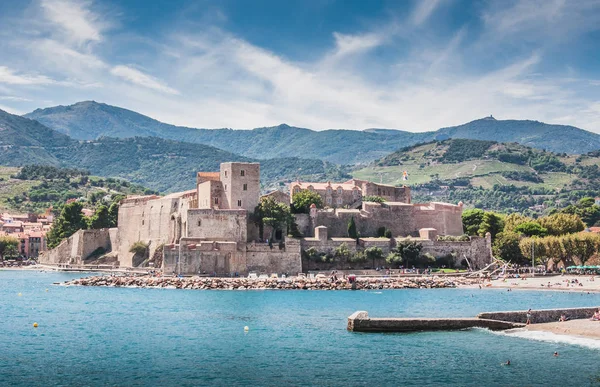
{"points": [[300, 283]]}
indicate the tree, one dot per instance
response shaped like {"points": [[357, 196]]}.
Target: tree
{"points": [[301, 201], [587, 210], [274, 214], [506, 247], [513, 220], [343, 251], [560, 224], [352, 229], [492, 223], [373, 199], [101, 218], [373, 253], [407, 252], [66, 224], [8, 245], [472, 220], [530, 229]]}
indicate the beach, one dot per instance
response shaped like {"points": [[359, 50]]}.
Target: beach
{"points": [[582, 328], [585, 283]]}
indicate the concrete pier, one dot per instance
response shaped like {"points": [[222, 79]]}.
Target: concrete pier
{"points": [[361, 322]]}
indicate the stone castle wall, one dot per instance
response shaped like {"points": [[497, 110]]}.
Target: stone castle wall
{"points": [[218, 225], [400, 218], [75, 249]]}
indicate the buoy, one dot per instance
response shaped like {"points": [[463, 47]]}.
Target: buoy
{"points": [[46, 289], [19, 294], [246, 329], [35, 325]]}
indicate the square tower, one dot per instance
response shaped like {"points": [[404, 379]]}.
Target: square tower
{"points": [[241, 185]]}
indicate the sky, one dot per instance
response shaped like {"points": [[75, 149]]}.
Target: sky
{"points": [[319, 64]]}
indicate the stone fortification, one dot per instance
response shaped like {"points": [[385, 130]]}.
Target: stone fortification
{"points": [[79, 246], [400, 218], [478, 250]]}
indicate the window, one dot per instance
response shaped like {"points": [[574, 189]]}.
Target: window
{"points": [[242, 173], [329, 201], [239, 203], [340, 190], [296, 189], [329, 190], [225, 187], [216, 200], [339, 201], [245, 187], [225, 173], [199, 222], [355, 193]]}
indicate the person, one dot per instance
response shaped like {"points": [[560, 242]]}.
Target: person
{"points": [[528, 317], [562, 318], [556, 354], [507, 362], [596, 316]]}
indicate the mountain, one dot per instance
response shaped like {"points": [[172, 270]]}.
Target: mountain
{"points": [[555, 138], [90, 120], [488, 174], [160, 164]]}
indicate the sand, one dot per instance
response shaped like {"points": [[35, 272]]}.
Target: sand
{"points": [[558, 283], [583, 328]]}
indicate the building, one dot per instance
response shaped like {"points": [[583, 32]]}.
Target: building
{"points": [[210, 229], [31, 243], [350, 194]]}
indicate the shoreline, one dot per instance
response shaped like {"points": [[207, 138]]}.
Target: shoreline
{"points": [[563, 283], [291, 283], [583, 328]]}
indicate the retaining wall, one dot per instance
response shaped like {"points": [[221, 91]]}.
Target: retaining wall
{"points": [[540, 316]]}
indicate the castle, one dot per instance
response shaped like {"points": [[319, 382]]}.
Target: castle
{"points": [[211, 229]]}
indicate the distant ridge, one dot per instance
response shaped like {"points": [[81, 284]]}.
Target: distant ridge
{"points": [[89, 120]]}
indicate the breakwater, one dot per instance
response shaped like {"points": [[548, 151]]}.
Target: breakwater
{"points": [[209, 283], [360, 322]]}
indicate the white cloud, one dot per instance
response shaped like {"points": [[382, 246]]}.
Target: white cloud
{"points": [[14, 98], [139, 78], [423, 10], [75, 20], [11, 77]]}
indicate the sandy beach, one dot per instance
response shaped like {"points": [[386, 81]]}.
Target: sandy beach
{"points": [[585, 283], [583, 328]]}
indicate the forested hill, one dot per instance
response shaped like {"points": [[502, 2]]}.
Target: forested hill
{"points": [[490, 175], [89, 120], [157, 163]]}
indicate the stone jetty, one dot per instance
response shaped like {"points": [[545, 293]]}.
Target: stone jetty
{"points": [[300, 283]]}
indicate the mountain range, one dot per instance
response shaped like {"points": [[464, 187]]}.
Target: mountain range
{"points": [[90, 120], [160, 164]]}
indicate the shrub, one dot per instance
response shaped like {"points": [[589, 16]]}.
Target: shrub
{"points": [[139, 247], [374, 199]]}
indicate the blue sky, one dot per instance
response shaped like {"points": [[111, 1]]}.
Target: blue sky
{"points": [[412, 65]]}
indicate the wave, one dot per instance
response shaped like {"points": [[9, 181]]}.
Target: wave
{"points": [[551, 337]]}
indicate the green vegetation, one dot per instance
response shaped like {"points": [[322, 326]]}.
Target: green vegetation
{"points": [[406, 253], [66, 224], [301, 201], [506, 177], [8, 247], [274, 214], [373, 199], [352, 233], [578, 247], [373, 253], [36, 188]]}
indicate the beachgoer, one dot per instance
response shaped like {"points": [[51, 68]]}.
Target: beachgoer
{"points": [[562, 318], [507, 362], [528, 317], [555, 353]]}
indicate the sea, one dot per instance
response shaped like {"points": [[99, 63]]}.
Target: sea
{"points": [[97, 336]]}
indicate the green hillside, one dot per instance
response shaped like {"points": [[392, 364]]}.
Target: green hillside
{"points": [[162, 165], [490, 175], [33, 189], [90, 120]]}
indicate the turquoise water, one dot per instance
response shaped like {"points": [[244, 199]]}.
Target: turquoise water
{"points": [[129, 337]]}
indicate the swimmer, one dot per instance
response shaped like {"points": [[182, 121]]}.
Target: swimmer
{"points": [[507, 362], [555, 354]]}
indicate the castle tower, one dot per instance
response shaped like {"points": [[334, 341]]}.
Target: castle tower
{"points": [[241, 185]]}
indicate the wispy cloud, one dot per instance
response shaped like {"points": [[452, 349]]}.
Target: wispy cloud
{"points": [[74, 20], [423, 10], [12, 77], [400, 73], [139, 78]]}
